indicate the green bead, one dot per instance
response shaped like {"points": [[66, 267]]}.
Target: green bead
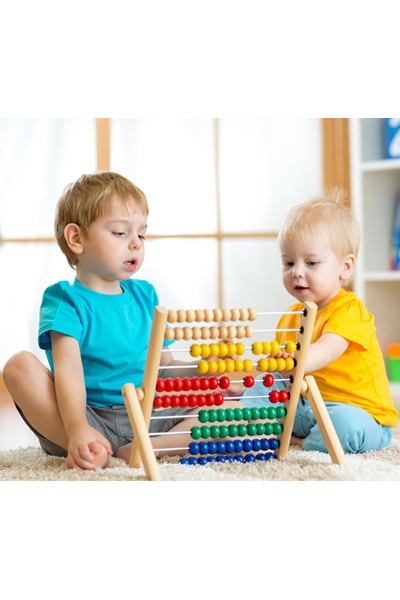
{"points": [[230, 414], [212, 415], [280, 412], [215, 431], [205, 432], [269, 429], [242, 430], [260, 428], [263, 412], [195, 433], [238, 414], [233, 430], [221, 415], [255, 413], [252, 429], [277, 428], [223, 431], [247, 414], [203, 415], [272, 412]]}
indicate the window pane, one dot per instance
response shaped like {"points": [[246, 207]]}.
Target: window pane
{"points": [[173, 162], [39, 157], [267, 166]]}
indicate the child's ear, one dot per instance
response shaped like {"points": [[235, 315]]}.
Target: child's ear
{"points": [[348, 267], [73, 237]]}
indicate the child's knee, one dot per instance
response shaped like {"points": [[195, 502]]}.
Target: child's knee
{"points": [[16, 366]]}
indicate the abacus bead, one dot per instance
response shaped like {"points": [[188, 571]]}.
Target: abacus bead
{"points": [[217, 315], [230, 446], [184, 401], [247, 445], [181, 316], [252, 429], [221, 366], [280, 364], [201, 400], [223, 331], [273, 444], [272, 413], [214, 332], [290, 346], [233, 430], [238, 414], [214, 350], [221, 447], [231, 349], [160, 385], [175, 401], [178, 384], [235, 314], [210, 399], [213, 383], [240, 348], [273, 396], [272, 364], [265, 444], [244, 314], [205, 333], [238, 365], [275, 347], [199, 315], [169, 384], [259, 456], [240, 332], [211, 459], [226, 314], [249, 331], [260, 428], [256, 348], [248, 381], [169, 334], [203, 415], [266, 347], [205, 350], [242, 430], [268, 380], [289, 363], [239, 458], [232, 331], [262, 364], [223, 431], [202, 367], [283, 396], [212, 366], [166, 401], [230, 365], [269, 429], [196, 433], [190, 316], [213, 448], [256, 445], [178, 333], [252, 314], [203, 460], [194, 448], [205, 432], [184, 461], [195, 384], [230, 414], [187, 384], [263, 412], [221, 458], [223, 349], [158, 402], [224, 382], [247, 365], [277, 428], [193, 460], [208, 315], [187, 333], [212, 416], [203, 447], [250, 458], [221, 415], [238, 445], [280, 412], [255, 413], [172, 316], [215, 431], [204, 383], [196, 333]]}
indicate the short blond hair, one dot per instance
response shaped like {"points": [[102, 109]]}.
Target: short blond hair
{"points": [[87, 199], [327, 215]]}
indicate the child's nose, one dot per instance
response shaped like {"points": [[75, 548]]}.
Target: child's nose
{"points": [[135, 242], [297, 271]]}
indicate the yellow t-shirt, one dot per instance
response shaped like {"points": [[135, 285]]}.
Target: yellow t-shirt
{"points": [[358, 376]]}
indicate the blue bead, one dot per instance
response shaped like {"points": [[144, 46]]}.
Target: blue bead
{"points": [[261, 456], [250, 458], [184, 461], [265, 445], [230, 458], [212, 447], [221, 458], [193, 460], [239, 458], [238, 446], [221, 447], [247, 445], [230, 446], [273, 444], [204, 448], [203, 460], [211, 459], [256, 445], [194, 448]]}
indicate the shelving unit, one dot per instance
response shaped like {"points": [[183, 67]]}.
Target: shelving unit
{"points": [[375, 184]]}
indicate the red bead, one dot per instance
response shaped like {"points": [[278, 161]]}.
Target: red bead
{"points": [[248, 381], [205, 383], [169, 385], [210, 399], [184, 401], [268, 380], [192, 400], [201, 400], [178, 384], [175, 401], [213, 383], [224, 383], [166, 401], [160, 385], [274, 396], [219, 399], [196, 384], [283, 396], [158, 402], [187, 384]]}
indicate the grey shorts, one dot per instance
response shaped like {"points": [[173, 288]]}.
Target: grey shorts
{"points": [[112, 422]]}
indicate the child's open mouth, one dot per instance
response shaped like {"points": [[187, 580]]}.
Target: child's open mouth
{"points": [[130, 265], [300, 289]]}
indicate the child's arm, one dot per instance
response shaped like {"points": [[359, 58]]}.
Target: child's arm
{"points": [[71, 401], [325, 351]]}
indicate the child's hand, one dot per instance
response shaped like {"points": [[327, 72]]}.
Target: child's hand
{"points": [[87, 449]]}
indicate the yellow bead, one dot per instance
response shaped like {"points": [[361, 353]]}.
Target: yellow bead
{"points": [[262, 364], [238, 365], [221, 365], [214, 350], [257, 348], [275, 347], [230, 365], [202, 367], [231, 349], [280, 364], [212, 366], [289, 363], [205, 350], [223, 349], [272, 364], [240, 348], [195, 350], [290, 346], [266, 348], [247, 365]]}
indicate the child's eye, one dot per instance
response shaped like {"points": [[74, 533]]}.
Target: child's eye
{"points": [[119, 233], [288, 264], [313, 263], [141, 237]]}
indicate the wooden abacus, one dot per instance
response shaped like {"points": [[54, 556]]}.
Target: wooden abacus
{"points": [[141, 402]]}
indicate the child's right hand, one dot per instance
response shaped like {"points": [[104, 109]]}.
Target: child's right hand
{"points": [[82, 440]]}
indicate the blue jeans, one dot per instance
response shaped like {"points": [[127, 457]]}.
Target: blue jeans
{"points": [[357, 430]]}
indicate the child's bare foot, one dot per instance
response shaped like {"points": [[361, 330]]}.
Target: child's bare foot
{"points": [[124, 452], [102, 460], [295, 441]]}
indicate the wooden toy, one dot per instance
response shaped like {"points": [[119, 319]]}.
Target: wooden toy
{"points": [[249, 434]]}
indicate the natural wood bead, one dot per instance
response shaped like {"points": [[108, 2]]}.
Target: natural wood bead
{"points": [[169, 334], [240, 332], [178, 333], [244, 314], [205, 333], [214, 333], [187, 333], [199, 315], [223, 332], [196, 333], [190, 316], [252, 314], [226, 314], [140, 393], [217, 315], [235, 314], [231, 331], [181, 316], [249, 331], [172, 316], [208, 315]]}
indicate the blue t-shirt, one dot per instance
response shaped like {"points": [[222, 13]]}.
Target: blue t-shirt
{"points": [[113, 332]]}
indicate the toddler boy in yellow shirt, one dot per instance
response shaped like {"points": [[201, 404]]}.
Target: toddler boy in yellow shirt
{"points": [[319, 242]]}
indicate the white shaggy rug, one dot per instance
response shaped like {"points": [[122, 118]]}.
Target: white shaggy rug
{"points": [[31, 464]]}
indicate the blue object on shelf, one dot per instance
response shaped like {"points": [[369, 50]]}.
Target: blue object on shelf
{"points": [[395, 256], [392, 138]]}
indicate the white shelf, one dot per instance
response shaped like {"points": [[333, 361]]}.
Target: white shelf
{"points": [[372, 276], [395, 392], [388, 164]]}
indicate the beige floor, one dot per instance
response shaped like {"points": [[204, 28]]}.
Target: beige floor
{"points": [[13, 431]]}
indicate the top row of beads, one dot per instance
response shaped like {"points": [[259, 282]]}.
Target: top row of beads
{"points": [[207, 315]]}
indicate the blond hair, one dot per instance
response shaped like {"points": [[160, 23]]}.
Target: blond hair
{"points": [[87, 199]]}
